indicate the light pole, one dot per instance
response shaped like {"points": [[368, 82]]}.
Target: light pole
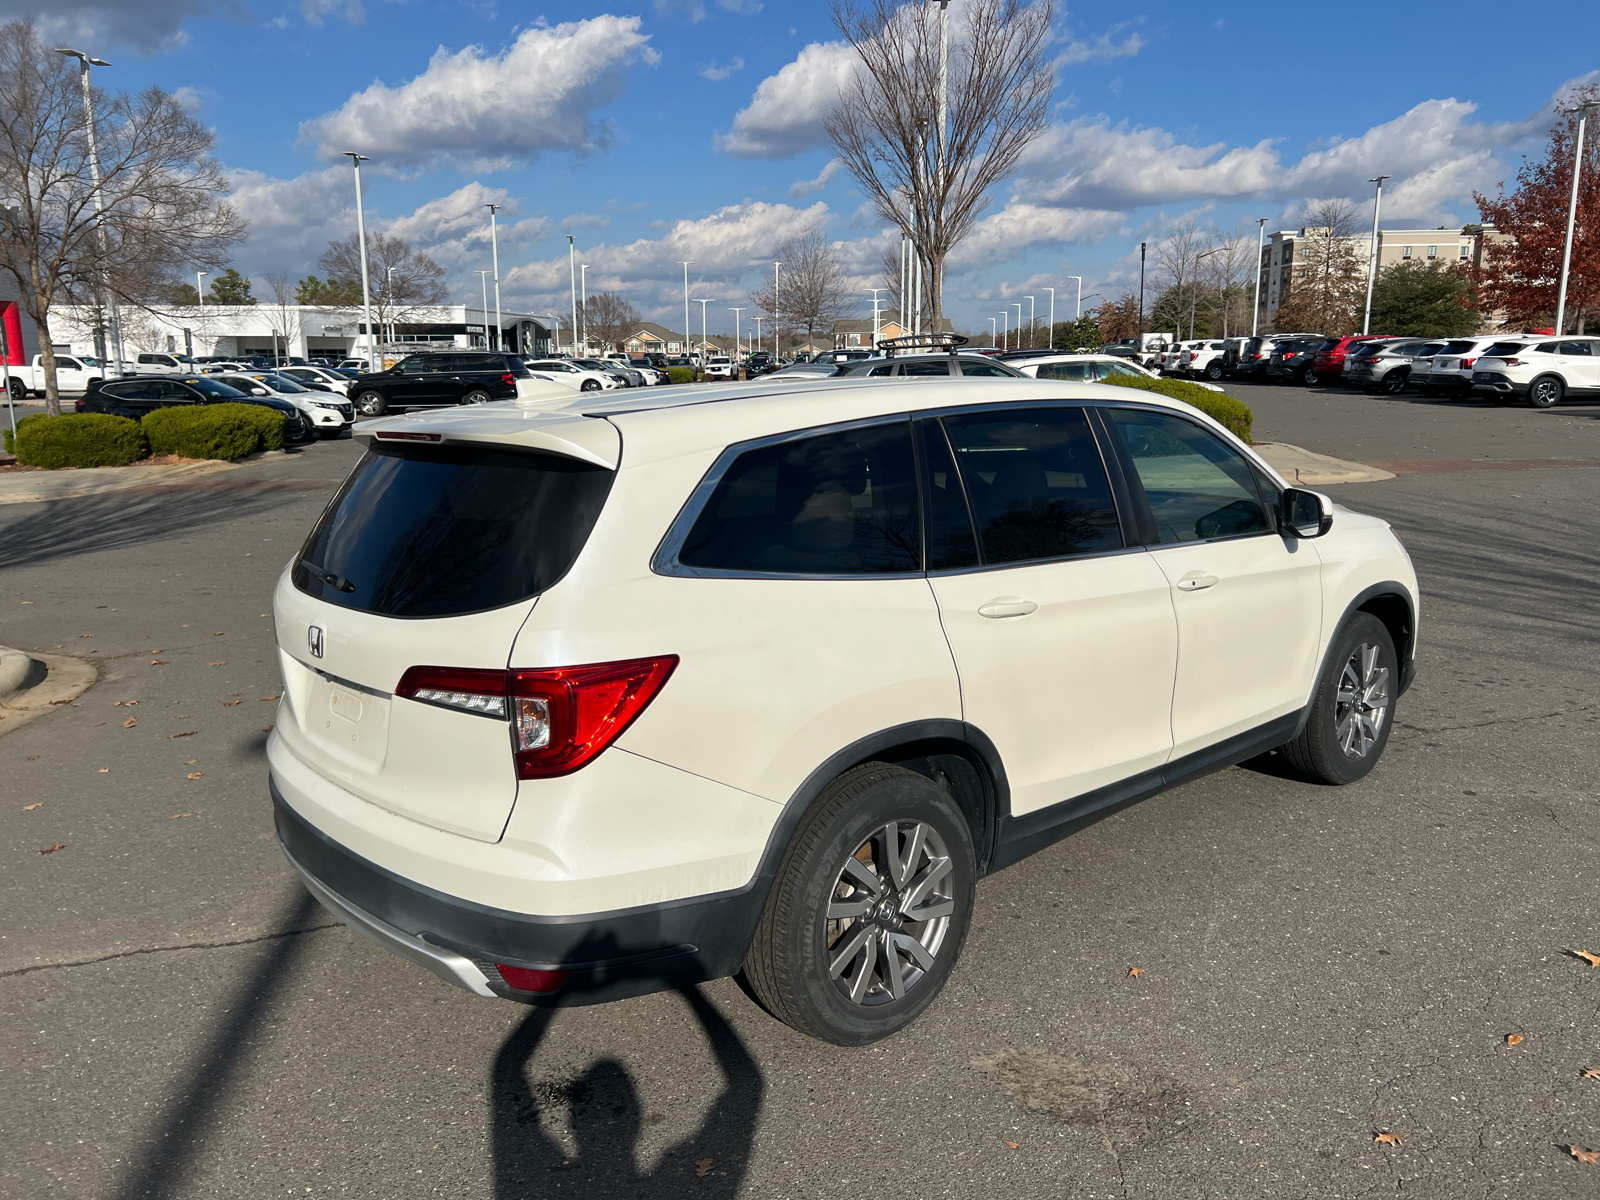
{"points": [[776, 324], [757, 321], [686, 264], [1194, 293], [574, 270], [494, 242], [555, 323], [1572, 214], [994, 331], [1077, 314], [366, 284], [113, 323], [1018, 306], [1141, 296], [1372, 257], [198, 276], [483, 278], [704, 338], [1050, 341], [583, 292], [1031, 322], [1005, 329], [875, 311], [1261, 241], [386, 305], [737, 312]]}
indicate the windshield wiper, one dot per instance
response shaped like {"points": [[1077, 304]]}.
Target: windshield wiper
{"points": [[337, 582]]}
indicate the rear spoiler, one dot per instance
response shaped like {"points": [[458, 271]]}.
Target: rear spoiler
{"points": [[582, 438]]}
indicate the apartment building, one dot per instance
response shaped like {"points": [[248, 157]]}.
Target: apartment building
{"points": [[1279, 265]]}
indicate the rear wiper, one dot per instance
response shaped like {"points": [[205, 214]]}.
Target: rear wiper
{"points": [[337, 582]]}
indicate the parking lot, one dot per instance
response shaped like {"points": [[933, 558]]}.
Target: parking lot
{"points": [[1314, 966]]}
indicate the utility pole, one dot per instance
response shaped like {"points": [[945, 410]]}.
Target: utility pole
{"points": [[113, 322], [1372, 257], [366, 282], [1572, 213], [494, 241], [1141, 297], [1261, 242], [686, 264], [571, 260]]}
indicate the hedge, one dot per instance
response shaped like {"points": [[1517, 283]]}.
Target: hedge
{"points": [[680, 374], [9, 439], [78, 440], [226, 431], [1233, 415]]}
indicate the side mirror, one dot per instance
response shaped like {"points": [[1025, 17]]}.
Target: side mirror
{"points": [[1305, 514]]}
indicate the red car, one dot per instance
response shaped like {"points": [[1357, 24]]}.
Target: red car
{"points": [[1329, 362]]}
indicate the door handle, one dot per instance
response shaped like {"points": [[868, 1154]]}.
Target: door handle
{"points": [[1007, 606], [1196, 581]]}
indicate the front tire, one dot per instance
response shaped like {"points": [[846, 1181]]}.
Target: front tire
{"points": [[476, 396], [591, 385], [1352, 710], [1395, 381], [1214, 372], [371, 404], [1546, 392], [1309, 377], [869, 910]]}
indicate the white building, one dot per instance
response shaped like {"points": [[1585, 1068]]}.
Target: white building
{"points": [[1278, 256], [304, 331]]}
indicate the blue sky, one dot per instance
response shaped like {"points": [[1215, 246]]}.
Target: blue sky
{"points": [[675, 129]]}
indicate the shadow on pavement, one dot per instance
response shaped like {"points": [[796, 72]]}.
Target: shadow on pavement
{"points": [[120, 520], [607, 1119], [173, 1146]]}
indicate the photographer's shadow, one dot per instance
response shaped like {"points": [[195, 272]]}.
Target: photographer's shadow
{"points": [[607, 1119]]}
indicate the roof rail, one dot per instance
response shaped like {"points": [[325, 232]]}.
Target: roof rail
{"points": [[921, 341]]}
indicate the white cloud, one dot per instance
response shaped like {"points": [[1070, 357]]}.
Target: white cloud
{"points": [[717, 74], [146, 26], [454, 229], [1102, 49], [785, 114], [806, 187], [1019, 227], [488, 111], [317, 11]]}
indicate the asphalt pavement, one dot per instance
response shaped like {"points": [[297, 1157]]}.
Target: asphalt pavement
{"points": [[1316, 966]]}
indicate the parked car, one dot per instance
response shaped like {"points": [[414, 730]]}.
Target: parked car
{"points": [[161, 364], [327, 415], [1254, 356], [438, 380], [625, 372], [352, 364], [572, 776], [564, 370], [141, 394], [1087, 368], [1293, 359], [1386, 364], [74, 373], [314, 376], [1450, 373], [1329, 360], [949, 365], [1544, 371], [1208, 359], [719, 366]]}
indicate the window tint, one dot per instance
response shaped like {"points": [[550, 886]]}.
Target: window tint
{"points": [[951, 544], [434, 531], [1503, 350], [987, 370], [1546, 348], [1081, 372], [415, 365], [1117, 368], [936, 367], [836, 504], [1197, 486], [136, 390], [880, 371], [1581, 348], [1036, 483], [71, 364], [1455, 348], [212, 389]]}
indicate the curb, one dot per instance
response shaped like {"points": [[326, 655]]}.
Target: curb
{"points": [[1307, 468], [34, 684]]}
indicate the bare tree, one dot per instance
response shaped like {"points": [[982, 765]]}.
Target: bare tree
{"points": [[1327, 289], [608, 319], [814, 292], [400, 279], [160, 188], [282, 314], [1178, 268], [933, 182]]}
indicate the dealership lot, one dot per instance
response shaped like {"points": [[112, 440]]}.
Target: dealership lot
{"points": [[1316, 966]]}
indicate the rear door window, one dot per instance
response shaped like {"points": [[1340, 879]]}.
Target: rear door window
{"points": [[841, 503], [1081, 372], [437, 531], [934, 367], [987, 370]]}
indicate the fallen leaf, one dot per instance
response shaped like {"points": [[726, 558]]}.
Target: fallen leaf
{"points": [[218, 633], [194, 774], [270, 728], [1592, 959], [274, 696], [1592, 1073], [1135, 972], [105, 770], [1513, 1039], [185, 733], [230, 703], [1388, 1139], [40, 804], [1589, 1158], [53, 849], [130, 722], [219, 664], [175, 816], [30, 602], [158, 662], [1011, 1145], [191, 762], [183, 716], [86, 635], [702, 1166], [31, 757]]}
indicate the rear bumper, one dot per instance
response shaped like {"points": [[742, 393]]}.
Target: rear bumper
{"points": [[608, 956], [1489, 383]]}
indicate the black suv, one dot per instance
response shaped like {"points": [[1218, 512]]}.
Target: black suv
{"points": [[1295, 359], [134, 397], [437, 379]]}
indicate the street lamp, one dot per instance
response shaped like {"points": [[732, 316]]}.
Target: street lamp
{"points": [[1050, 341], [574, 271], [994, 331], [387, 302], [1078, 312], [199, 286], [1572, 213], [1194, 293], [757, 321], [494, 241], [736, 347], [366, 286], [583, 291], [1018, 306], [704, 338], [686, 264], [1372, 257], [1031, 322], [1005, 329], [875, 311], [1261, 235], [483, 278], [776, 349], [113, 323]]}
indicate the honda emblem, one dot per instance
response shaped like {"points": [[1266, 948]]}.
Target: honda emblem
{"points": [[314, 639]]}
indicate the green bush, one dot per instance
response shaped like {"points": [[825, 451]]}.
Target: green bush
{"points": [[681, 374], [9, 440], [79, 440], [1233, 415], [225, 431]]}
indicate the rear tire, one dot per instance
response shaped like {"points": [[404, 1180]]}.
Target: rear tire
{"points": [[476, 396], [1214, 372], [1546, 392], [1395, 381], [371, 404], [880, 845], [1352, 709], [1309, 377]]}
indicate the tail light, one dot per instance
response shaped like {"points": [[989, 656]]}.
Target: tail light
{"points": [[1512, 362], [527, 980], [560, 717], [509, 379], [1467, 362]]}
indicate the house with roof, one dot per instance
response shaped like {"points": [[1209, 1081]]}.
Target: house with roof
{"points": [[856, 333]]}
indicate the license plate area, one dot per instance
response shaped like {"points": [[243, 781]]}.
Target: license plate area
{"points": [[348, 721]]}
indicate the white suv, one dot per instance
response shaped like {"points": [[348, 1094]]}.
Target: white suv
{"points": [[590, 700], [1543, 371]]}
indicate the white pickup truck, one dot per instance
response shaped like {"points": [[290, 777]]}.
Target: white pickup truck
{"points": [[74, 373]]}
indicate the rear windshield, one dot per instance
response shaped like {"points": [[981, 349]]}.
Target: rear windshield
{"points": [[431, 531], [1502, 350]]}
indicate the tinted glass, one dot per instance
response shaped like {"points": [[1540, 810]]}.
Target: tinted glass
{"points": [[951, 544], [934, 367], [137, 390], [1197, 486], [1455, 347], [1036, 483], [883, 370], [214, 390], [1082, 372], [1503, 350], [987, 370], [1116, 368], [415, 365], [1580, 348], [836, 504], [433, 532]]}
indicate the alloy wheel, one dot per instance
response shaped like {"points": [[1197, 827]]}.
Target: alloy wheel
{"points": [[889, 912], [1545, 393], [371, 404], [1362, 702]]}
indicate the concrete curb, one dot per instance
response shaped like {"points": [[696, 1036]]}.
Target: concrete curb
{"points": [[31, 487], [1307, 468], [46, 682]]}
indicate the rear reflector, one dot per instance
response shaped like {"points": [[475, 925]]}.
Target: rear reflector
{"points": [[525, 980], [398, 435]]}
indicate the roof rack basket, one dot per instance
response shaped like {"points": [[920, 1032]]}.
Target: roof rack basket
{"points": [[921, 341]]}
